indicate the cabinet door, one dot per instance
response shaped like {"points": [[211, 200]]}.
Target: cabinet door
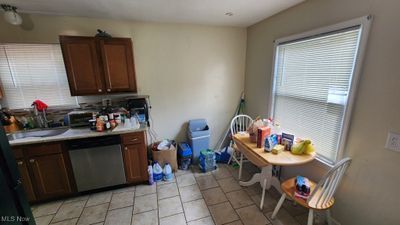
{"points": [[50, 176], [135, 160], [118, 65], [82, 63], [26, 180]]}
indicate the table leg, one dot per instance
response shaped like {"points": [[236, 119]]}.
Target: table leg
{"points": [[266, 174], [256, 178]]}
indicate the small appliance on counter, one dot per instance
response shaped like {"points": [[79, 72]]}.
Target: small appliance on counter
{"points": [[79, 118], [140, 107]]}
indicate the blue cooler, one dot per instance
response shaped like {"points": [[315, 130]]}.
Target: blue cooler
{"points": [[199, 137]]}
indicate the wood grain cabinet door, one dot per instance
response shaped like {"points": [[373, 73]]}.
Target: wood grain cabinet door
{"points": [[82, 64], [26, 180], [118, 64], [50, 176], [135, 160]]}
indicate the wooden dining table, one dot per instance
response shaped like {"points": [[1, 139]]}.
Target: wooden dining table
{"points": [[265, 161]]}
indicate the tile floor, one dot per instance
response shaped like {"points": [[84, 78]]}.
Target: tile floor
{"points": [[192, 198]]}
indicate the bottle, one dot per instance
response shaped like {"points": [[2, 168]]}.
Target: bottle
{"points": [[167, 172], [157, 172], [107, 123], [150, 172], [99, 125]]}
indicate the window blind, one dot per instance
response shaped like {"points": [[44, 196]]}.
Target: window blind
{"points": [[33, 71], [311, 87]]}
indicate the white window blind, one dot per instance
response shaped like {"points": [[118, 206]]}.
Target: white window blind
{"points": [[33, 71], [311, 86]]}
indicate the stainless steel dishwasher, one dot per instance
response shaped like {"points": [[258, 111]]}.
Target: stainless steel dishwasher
{"points": [[97, 162]]}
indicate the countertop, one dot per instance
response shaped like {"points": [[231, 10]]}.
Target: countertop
{"points": [[76, 133]]}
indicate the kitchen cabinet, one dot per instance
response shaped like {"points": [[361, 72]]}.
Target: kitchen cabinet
{"points": [[118, 65], [26, 180], [43, 170], [97, 66], [50, 175], [135, 157], [82, 65], [46, 170]]}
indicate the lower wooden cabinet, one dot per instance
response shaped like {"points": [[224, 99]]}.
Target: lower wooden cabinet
{"points": [[50, 176], [46, 171], [135, 157], [135, 161], [26, 180], [43, 171]]}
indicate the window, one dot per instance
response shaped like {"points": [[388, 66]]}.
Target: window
{"points": [[33, 71], [314, 81]]}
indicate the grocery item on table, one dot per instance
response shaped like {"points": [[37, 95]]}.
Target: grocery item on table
{"points": [[303, 188], [302, 147]]}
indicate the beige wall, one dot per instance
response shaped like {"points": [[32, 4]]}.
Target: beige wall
{"points": [[189, 71], [369, 193]]}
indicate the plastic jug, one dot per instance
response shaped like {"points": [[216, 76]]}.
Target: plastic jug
{"points": [[150, 171], [157, 172], [167, 172]]}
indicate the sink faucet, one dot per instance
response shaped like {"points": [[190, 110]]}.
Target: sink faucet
{"points": [[40, 117]]}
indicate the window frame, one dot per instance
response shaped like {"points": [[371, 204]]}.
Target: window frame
{"points": [[364, 23]]}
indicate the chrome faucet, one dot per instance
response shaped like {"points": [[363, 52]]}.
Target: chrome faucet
{"points": [[41, 118]]}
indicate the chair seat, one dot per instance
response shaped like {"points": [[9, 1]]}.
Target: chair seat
{"points": [[289, 188]]}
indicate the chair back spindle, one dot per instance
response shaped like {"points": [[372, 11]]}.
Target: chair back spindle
{"points": [[326, 188], [240, 123]]}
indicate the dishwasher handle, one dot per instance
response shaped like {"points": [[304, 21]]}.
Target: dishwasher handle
{"points": [[93, 142]]}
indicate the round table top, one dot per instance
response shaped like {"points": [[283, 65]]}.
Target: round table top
{"points": [[285, 158]]}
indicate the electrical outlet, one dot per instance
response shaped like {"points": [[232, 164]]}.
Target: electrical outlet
{"points": [[393, 141]]}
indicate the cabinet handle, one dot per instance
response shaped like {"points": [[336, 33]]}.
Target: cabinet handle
{"points": [[126, 148], [31, 160], [108, 89], [134, 139], [20, 162], [100, 90]]}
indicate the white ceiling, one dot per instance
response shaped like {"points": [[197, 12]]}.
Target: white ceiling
{"points": [[209, 12]]}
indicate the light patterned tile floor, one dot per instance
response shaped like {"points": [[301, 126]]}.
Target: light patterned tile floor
{"points": [[192, 198]]}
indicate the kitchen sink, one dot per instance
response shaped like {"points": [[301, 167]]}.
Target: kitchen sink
{"points": [[37, 133]]}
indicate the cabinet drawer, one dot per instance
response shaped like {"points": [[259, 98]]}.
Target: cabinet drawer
{"points": [[42, 149], [133, 138]]}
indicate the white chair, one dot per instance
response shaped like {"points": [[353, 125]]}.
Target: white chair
{"points": [[321, 197], [239, 123]]}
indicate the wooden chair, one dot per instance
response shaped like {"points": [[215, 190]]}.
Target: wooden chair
{"points": [[321, 197], [239, 123]]}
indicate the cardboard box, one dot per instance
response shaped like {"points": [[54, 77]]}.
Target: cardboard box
{"points": [[165, 156]]}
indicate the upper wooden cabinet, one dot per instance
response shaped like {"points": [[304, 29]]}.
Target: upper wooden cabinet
{"points": [[118, 65], [82, 64], [98, 65]]}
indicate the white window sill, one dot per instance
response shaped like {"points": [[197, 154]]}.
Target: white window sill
{"points": [[328, 165]]}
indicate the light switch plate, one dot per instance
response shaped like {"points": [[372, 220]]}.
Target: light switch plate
{"points": [[393, 141]]}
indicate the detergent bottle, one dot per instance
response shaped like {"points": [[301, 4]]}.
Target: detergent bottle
{"points": [[157, 172], [167, 172], [150, 172]]}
